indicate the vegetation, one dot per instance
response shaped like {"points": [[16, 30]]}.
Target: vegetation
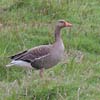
{"points": [[28, 23]]}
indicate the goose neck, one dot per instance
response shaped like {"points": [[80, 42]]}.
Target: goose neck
{"points": [[57, 34]]}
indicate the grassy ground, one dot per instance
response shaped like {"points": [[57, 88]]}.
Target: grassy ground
{"points": [[28, 23]]}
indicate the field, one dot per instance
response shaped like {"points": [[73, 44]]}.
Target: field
{"points": [[28, 23]]}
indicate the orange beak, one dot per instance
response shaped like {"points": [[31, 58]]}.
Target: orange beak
{"points": [[68, 24]]}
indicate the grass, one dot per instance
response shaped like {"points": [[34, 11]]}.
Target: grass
{"points": [[28, 23]]}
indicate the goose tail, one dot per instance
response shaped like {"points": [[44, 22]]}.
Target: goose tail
{"points": [[9, 65], [19, 63]]}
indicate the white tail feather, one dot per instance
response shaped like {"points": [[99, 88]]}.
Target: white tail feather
{"points": [[19, 63], [9, 65]]}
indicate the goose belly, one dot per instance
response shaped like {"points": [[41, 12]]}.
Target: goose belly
{"points": [[48, 62]]}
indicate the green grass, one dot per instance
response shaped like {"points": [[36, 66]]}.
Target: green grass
{"points": [[28, 23]]}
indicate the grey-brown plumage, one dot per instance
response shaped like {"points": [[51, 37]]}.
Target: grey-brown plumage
{"points": [[44, 56]]}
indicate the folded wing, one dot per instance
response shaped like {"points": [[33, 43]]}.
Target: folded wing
{"points": [[32, 54]]}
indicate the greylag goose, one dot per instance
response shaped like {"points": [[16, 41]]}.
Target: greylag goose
{"points": [[43, 56]]}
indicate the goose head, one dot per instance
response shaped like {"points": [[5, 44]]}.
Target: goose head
{"points": [[62, 23]]}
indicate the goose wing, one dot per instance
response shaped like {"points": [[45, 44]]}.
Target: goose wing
{"points": [[32, 54]]}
